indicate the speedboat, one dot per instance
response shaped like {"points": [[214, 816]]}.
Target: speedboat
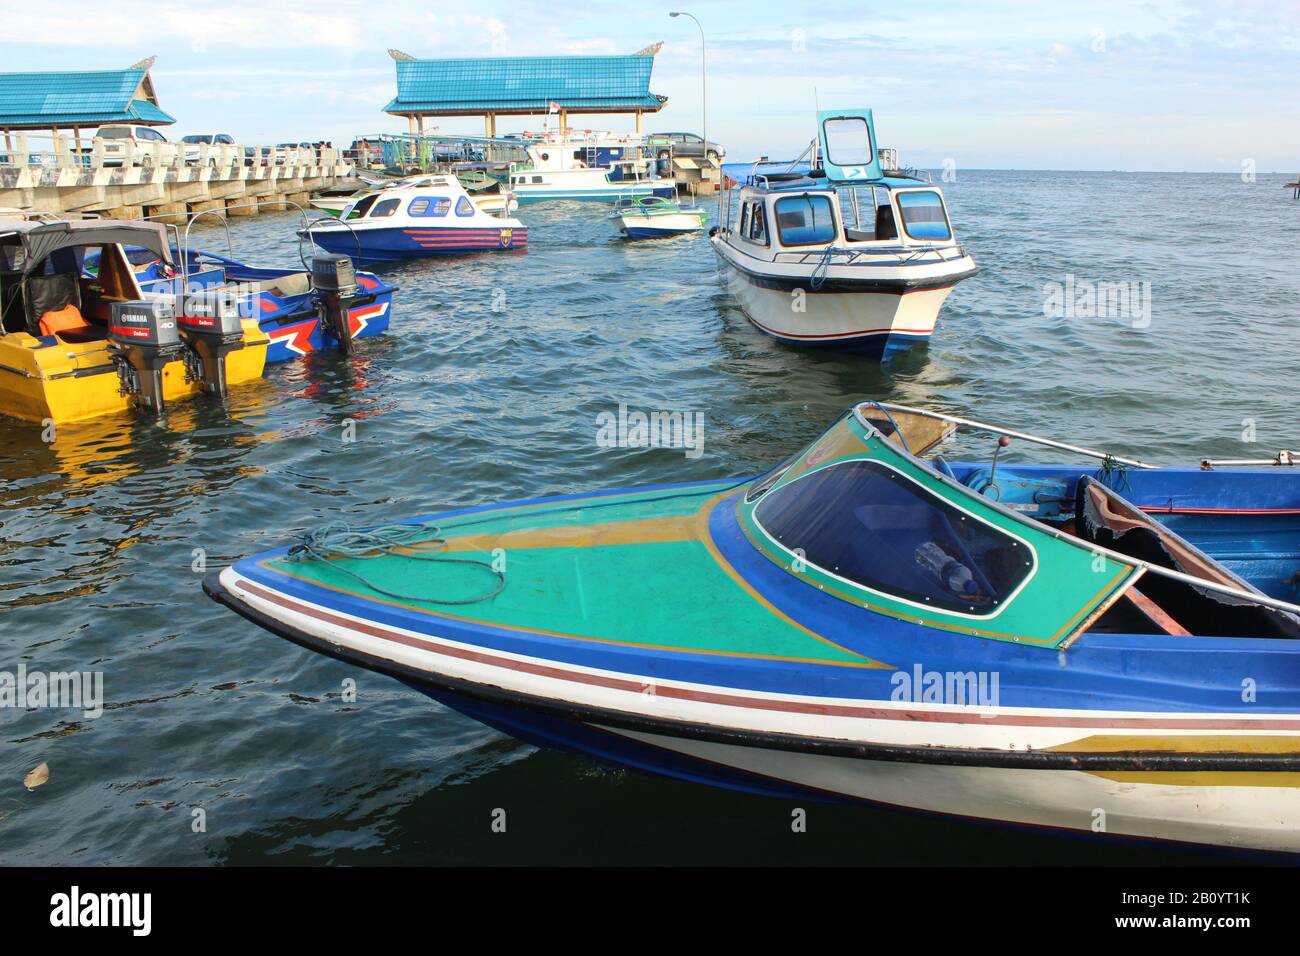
{"points": [[840, 255], [653, 217], [285, 303], [435, 217], [1106, 647], [570, 167], [77, 344]]}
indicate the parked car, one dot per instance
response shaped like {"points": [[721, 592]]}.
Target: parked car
{"points": [[150, 145], [683, 144], [195, 140], [251, 155]]}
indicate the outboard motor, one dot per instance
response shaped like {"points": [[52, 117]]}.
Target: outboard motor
{"points": [[334, 284], [211, 331], [142, 339]]}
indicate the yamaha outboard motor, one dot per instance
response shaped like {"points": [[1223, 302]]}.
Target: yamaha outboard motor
{"points": [[142, 339], [334, 284], [211, 331]]}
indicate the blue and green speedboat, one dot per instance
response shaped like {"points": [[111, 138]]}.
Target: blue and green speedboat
{"points": [[1108, 648]]}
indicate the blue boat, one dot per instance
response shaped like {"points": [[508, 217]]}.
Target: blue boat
{"points": [[282, 300], [1108, 648], [437, 217]]}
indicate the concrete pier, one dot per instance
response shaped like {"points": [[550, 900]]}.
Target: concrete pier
{"points": [[170, 192]]}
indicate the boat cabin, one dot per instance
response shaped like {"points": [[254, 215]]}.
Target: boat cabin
{"points": [[797, 213], [61, 278]]}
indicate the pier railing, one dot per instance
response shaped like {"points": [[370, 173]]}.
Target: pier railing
{"points": [[61, 151]]}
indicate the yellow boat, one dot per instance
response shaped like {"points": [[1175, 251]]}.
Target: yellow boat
{"points": [[66, 353]]}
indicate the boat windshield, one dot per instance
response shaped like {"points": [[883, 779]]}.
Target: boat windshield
{"points": [[870, 524]]}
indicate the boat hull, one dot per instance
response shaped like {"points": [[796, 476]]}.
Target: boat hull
{"points": [[294, 337], [763, 743], [1161, 807], [405, 242], [661, 226], [71, 382], [611, 193], [874, 317]]}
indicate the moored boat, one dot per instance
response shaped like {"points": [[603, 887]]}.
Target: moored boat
{"points": [[571, 167], [808, 271], [654, 217], [1108, 648], [76, 345], [285, 303], [435, 217]]}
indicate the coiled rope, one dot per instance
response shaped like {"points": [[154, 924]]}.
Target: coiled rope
{"points": [[340, 540]]}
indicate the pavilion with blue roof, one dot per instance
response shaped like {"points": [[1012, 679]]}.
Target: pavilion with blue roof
{"points": [[523, 86], [80, 99]]}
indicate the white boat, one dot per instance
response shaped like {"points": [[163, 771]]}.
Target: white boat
{"points": [[587, 168], [654, 217], [432, 215], [840, 255]]}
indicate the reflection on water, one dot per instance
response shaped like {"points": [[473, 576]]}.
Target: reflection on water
{"points": [[489, 387]]}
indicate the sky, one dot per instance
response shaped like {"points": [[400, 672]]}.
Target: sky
{"points": [[1197, 85]]}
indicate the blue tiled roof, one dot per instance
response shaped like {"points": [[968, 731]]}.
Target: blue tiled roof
{"points": [[93, 96], [524, 83]]}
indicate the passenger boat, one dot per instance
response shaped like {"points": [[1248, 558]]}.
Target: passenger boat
{"points": [[286, 303], [809, 271], [1108, 647], [76, 345], [572, 168], [436, 217], [653, 217]]}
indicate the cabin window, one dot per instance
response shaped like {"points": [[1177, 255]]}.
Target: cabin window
{"points": [[362, 207], [869, 524], [756, 229], [924, 216], [537, 179], [805, 220], [848, 141], [385, 208], [429, 206], [464, 207]]}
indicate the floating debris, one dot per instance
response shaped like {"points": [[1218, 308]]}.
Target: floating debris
{"points": [[37, 777]]}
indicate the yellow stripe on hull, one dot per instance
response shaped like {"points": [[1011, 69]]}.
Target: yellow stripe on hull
{"points": [[76, 381]]}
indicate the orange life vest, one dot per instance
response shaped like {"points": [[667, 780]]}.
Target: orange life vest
{"points": [[65, 319]]}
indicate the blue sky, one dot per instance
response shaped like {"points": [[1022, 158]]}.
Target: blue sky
{"points": [[1159, 85]]}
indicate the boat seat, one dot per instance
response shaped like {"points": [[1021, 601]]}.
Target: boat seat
{"points": [[293, 284], [885, 228], [1111, 521], [45, 294]]}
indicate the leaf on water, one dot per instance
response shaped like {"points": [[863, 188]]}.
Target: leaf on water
{"points": [[37, 777]]}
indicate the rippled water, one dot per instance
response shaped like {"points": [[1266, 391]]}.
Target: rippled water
{"points": [[488, 387]]}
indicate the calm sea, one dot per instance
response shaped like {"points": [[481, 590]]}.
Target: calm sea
{"points": [[488, 387]]}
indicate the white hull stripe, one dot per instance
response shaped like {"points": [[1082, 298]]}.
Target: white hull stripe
{"points": [[980, 717]]}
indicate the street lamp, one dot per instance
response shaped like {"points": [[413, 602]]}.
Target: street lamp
{"points": [[704, 89]]}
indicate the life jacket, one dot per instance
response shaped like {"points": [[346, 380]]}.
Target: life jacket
{"points": [[66, 319]]}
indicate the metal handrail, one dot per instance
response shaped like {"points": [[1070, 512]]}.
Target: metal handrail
{"points": [[311, 223], [1011, 433]]}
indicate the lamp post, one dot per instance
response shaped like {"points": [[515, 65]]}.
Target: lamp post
{"points": [[704, 89]]}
